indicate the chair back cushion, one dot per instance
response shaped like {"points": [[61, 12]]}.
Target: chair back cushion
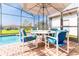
{"points": [[29, 38], [22, 34], [61, 36]]}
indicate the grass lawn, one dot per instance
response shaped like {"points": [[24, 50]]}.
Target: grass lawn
{"points": [[6, 32], [73, 36]]}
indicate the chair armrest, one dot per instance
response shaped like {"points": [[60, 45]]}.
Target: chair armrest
{"points": [[25, 36], [51, 37], [34, 37]]}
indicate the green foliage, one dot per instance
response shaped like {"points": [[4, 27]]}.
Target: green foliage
{"points": [[10, 32]]}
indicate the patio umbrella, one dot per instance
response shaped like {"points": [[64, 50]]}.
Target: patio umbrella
{"points": [[44, 9]]}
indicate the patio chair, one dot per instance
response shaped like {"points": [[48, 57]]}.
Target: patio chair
{"points": [[28, 39], [59, 40], [25, 38], [60, 36]]}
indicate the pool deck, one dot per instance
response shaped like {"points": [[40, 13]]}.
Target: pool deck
{"points": [[20, 50]]}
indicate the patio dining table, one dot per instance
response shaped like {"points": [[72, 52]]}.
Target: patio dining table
{"points": [[44, 33]]}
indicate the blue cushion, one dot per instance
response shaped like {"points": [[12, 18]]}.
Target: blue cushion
{"points": [[51, 40], [61, 38], [29, 38], [61, 44]]}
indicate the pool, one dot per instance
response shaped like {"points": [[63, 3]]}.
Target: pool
{"points": [[9, 39]]}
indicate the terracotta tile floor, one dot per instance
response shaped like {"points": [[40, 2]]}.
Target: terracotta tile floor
{"points": [[19, 50]]}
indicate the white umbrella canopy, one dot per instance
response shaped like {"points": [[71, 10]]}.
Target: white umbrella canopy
{"points": [[44, 8]]}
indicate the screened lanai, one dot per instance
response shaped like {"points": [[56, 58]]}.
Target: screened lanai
{"points": [[14, 11], [38, 19], [47, 9]]}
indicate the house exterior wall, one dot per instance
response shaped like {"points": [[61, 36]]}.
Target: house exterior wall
{"points": [[69, 23], [55, 22]]}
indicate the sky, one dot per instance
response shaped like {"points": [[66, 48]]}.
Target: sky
{"points": [[13, 20]]}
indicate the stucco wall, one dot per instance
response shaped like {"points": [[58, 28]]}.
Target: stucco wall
{"points": [[69, 23]]}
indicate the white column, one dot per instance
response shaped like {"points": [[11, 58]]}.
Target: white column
{"points": [[49, 23], [57, 46], [68, 42], [78, 24]]}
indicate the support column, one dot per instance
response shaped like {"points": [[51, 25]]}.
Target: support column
{"points": [[21, 19], [38, 23], [61, 21], [1, 18], [50, 23], [78, 24], [33, 23], [46, 22], [43, 18]]}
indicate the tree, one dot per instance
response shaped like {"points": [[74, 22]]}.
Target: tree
{"points": [[27, 24]]}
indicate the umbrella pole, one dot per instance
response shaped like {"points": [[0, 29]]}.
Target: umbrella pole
{"points": [[61, 21], [38, 19], [78, 24], [43, 17]]}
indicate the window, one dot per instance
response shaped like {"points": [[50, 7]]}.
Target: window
{"points": [[6, 9], [66, 22], [11, 17], [27, 23], [56, 23], [73, 21], [8, 20], [0, 8], [70, 23]]}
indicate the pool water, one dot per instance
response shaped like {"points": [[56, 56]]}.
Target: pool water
{"points": [[9, 39]]}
